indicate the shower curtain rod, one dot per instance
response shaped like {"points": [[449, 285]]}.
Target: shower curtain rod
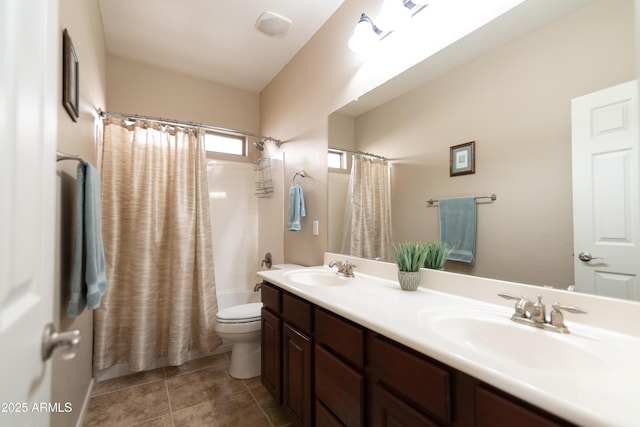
{"points": [[104, 114], [358, 152]]}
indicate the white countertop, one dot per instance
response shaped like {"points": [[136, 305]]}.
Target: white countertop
{"points": [[598, 388]]}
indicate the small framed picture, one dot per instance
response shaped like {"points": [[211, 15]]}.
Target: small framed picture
{"points": [[462, 159], [70, 76]]}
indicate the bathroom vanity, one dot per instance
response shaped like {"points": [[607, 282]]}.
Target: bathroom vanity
{"points": [[361, 352]]}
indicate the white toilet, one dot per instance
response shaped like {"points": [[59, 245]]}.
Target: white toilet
{"points": [[241, 325]]}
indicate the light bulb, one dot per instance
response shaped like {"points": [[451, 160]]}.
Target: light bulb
{"points": [[364, 37], [393, 15]]}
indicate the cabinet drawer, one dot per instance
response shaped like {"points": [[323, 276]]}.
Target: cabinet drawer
{"points": [[419, 380], [341, 336], [325, 418], [297, 312], [495, 409], [388, 410], [339, 388], [271, 297]]}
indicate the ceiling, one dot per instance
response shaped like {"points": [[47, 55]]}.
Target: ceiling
{"points": [[211, 39]]}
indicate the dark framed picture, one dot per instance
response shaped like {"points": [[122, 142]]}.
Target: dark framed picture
{"points": [[462, 159], [70, 70]]}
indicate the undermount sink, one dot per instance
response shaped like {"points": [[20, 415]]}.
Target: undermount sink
{"points": [[524, 346], [318, 277]]}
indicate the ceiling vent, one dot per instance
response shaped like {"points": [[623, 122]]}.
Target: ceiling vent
{"points": [[273, 24]]}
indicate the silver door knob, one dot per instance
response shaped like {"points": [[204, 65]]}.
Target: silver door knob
{"points": [[586, 256], [67, 340]]}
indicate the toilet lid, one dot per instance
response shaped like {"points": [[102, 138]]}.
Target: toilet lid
{"points": [[240, 313]]}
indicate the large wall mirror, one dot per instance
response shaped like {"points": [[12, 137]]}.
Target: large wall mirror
{"points": [[514, 101]]}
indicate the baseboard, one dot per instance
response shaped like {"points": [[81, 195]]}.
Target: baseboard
{"points": [[85, 404]]}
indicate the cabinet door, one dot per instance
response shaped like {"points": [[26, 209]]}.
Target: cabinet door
{"points": [[296, 365], [387, 410], [271, 357], [496, 409]]}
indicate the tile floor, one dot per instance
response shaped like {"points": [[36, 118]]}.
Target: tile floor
{"points": [[198, 393]]}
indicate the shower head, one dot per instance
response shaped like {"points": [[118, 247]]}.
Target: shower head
{"points": [[259, 145]]}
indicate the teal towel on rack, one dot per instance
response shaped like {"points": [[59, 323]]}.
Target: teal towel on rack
{"points": [[458, 227], [88, 274], [296, 208]]}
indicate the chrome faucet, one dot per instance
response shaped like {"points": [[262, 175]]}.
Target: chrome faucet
{"points": [[345, 269], [534, 313]]}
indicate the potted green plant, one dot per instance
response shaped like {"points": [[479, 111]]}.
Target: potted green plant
{"points": [[437, 254], [409, 257]]}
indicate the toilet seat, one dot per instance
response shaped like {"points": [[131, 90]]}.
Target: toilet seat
{"points": [[243, 313]]}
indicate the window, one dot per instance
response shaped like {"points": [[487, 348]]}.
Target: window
{"points": [[337, 159], [225, 143]]}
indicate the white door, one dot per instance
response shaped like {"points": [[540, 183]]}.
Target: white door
{"points": [[606, 192], [28, 120]]}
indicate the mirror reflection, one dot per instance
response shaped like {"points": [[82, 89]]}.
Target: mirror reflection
{"points": [[515, 102]]}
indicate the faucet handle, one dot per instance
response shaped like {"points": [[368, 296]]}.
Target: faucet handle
{"points": [[335, 263], [348, 268], [510, 296], [557, 317], [520, 304], [570, 308]]}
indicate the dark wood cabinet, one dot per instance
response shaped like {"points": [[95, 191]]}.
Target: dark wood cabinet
{"points": [[271, 363], [340, 388], [297, 351], [287, 353], [339, 364], [325, 418], [495, 408], [271, 340], [329, 371], [416, 379], [387, 410]]}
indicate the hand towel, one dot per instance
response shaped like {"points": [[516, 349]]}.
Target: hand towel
{"points": [[88, 274], [458, 227], [296, 208]]}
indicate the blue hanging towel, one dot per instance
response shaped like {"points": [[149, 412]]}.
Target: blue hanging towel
{"points": [[88, 274], [296, 208], [458, 227]]}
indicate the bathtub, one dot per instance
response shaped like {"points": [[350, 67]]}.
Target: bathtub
{"points": [[231, 298]]}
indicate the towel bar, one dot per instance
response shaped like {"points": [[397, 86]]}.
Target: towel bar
{"points": [[493, 198], [64, 156], [300, 173]]}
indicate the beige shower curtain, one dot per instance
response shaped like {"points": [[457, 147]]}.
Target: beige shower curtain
{"points": [[368, 222], [161, 301]]}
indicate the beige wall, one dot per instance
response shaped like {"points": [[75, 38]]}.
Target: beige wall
{"points": [[136, 88], [71, 379], [515, 102], [294, 107]]}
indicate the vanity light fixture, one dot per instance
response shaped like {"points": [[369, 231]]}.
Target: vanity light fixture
{"points": [[393, 15], [365, 35]]}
